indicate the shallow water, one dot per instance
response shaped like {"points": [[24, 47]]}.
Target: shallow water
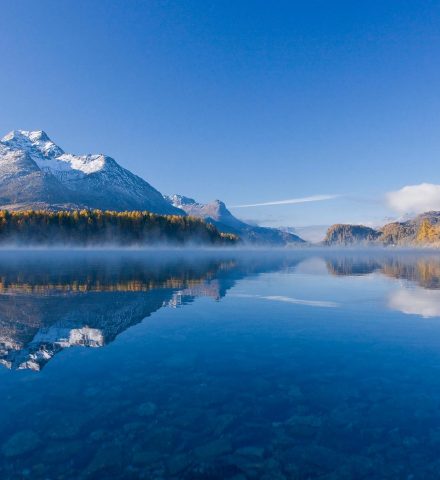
{"points": [[282, 365]]}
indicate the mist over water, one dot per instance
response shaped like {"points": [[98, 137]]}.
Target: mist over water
{"points": [[221, 364]]}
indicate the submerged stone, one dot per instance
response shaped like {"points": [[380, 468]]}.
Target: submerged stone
{"points": [[214, 449], [304, 425], [147, 409], [21, 443], [251, 451], [146, 457], [62, 451], [178, 463], [106, 458]]}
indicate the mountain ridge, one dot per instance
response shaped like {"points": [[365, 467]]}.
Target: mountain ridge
{"points": [[218, 214]]}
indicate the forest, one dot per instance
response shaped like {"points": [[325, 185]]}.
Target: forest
{"points": [[428, 233], [97, 227]]}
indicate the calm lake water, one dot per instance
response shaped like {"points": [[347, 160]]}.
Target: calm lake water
{"points": [[167, 365]]}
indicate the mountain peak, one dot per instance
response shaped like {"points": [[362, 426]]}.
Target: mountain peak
{"points": [[31, 135], [221, 207], [36, 135], [19, 133], [179, 201], [32, 141]]}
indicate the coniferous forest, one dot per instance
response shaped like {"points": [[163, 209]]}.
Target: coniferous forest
{"points": [[97, 227]]}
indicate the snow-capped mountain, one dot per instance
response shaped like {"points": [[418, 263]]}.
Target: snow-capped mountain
{"points": [[37, 173], [217, 213]]}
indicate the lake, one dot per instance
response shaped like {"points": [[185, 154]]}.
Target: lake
{"points": [[220, 365]]}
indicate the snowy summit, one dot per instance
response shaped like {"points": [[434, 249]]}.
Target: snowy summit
{"points": [[37, 173]]}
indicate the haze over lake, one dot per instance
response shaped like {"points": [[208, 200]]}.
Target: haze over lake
{"points": [[220, 365]]}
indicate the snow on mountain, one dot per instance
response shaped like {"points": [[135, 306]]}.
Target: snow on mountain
{"points": [[36, 173], [217, 213], [32, 141], [179, 201]]}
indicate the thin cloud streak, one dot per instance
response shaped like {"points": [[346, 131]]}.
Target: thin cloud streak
{"points": [[312, 198]]}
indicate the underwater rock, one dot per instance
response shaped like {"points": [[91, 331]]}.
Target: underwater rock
{"points": [[295, 393], [147, 457], [132, 427], [251, 451], [147, 409], [249, 465], [108, 457], [21, 443], [61, 452], [304, 425], [162, 439], [67, 428], [223, 422], [178, 463], [320, 457], [97, 435], [214, 449]]}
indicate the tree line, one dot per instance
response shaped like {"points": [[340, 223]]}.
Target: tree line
{"points": [[97, 227]]}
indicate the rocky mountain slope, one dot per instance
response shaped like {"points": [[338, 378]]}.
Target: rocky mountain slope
{"points": [[217, 213], [340, 234], [36, 173], [423, 230]]}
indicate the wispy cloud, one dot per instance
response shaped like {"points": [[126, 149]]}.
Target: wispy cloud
{"points": [[291, 201], [415, 198], [296, 301]]}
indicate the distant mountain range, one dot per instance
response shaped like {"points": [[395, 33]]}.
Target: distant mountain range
{"points": [[37, 174], [217, 214], [423, 230]]}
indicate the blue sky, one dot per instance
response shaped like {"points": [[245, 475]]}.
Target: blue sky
{"points": [[246, 101]]}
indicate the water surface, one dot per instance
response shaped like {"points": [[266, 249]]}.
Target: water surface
{"points": [[283, 365]]}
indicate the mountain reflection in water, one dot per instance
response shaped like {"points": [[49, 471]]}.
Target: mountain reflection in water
{"points": [[51, 303], [87, 299], [47, 305], [421, 296]]}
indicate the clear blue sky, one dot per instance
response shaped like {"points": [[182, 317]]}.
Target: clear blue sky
{"points": [[246, 101]]}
